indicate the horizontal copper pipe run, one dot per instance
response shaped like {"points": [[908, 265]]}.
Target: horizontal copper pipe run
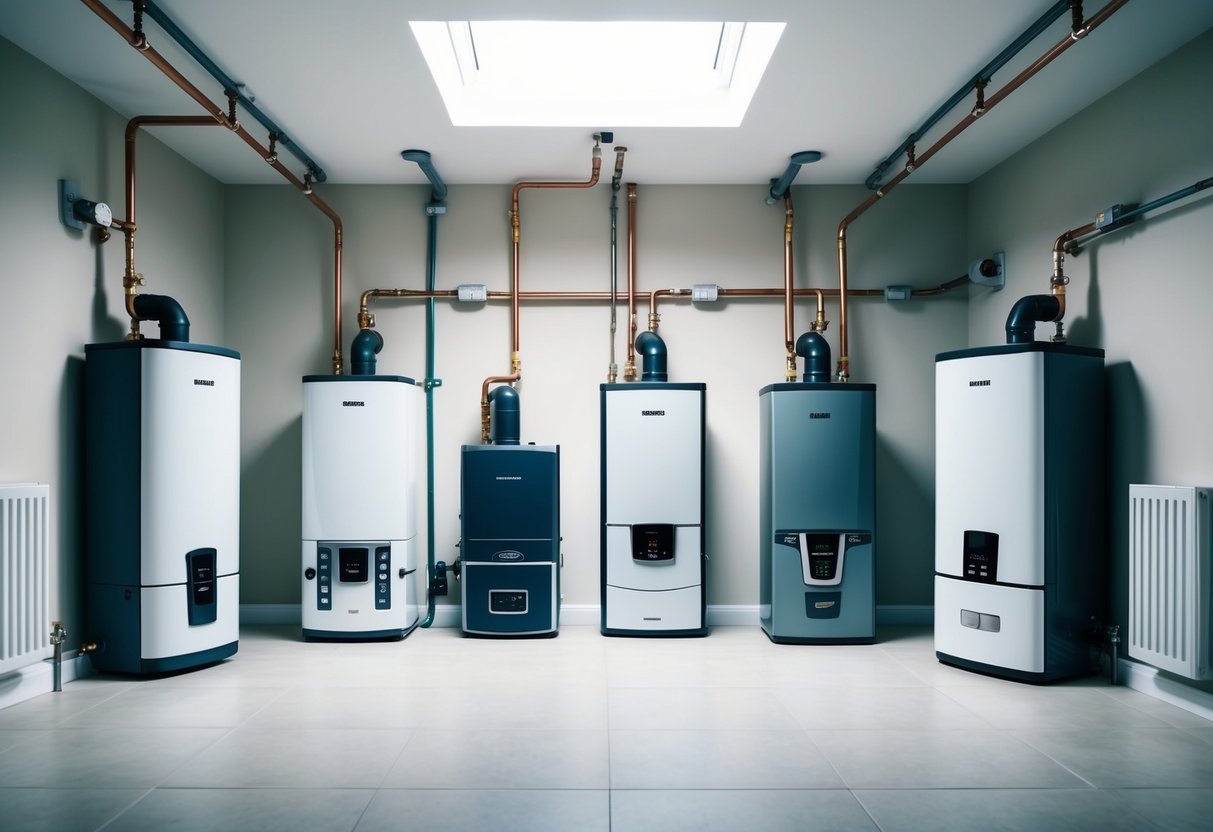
{"points": [[140, 44], [990, 103], [820, 294], [130, 280]]}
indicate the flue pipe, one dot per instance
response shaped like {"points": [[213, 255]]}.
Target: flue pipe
{"points": [[984, 105], [140, 44], [516, 225]]}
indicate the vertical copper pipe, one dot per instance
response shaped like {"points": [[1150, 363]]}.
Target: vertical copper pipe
{"points": [[130, 280], [516, 222], [990, 103], [515, 278], [788, 326], [1058, 282], [629, 369], [157, 60]]}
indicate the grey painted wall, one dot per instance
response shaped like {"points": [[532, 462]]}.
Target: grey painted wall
{"points": [[279, 263], [61, 290], [1143, 294]]}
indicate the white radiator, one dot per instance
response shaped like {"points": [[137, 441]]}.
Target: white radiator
{"points": [[24, 575], [1169, 575]]}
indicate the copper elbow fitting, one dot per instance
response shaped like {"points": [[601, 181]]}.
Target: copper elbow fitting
{"points": [[629, 371]]}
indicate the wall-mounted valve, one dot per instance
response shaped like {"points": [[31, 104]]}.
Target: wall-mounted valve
{"points": [[76, 211], [989, 271]]}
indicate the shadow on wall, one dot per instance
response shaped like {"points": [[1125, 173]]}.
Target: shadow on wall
{"points": [[1088, 331], [1127, 429], [905, 529], [69, 512], [270, 524]]}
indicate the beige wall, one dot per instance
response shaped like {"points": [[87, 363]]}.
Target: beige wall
{"points": [[61, 291]]}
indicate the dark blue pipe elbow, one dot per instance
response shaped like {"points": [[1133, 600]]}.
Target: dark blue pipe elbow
{"points": [[780, 186], [174, 325], [653, 353], [366, 346], [422, 158], [504, 416], [815, 350], [1021, 322]]}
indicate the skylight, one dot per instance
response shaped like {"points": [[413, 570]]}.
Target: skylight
{"points": [[593, 74]]}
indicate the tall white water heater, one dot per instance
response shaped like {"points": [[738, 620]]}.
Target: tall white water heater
{"points": [[653, 561], [1019, 508], [162, 498], [359, 571]]}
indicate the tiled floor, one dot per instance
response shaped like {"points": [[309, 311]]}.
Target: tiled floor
{"points": [[586, 733]]}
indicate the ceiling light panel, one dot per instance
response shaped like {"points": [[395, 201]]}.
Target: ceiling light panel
{"points": [[561, 73]]}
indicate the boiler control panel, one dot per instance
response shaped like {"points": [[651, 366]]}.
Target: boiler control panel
{"points": [[822, 552], [653, 542], [980, 556]]}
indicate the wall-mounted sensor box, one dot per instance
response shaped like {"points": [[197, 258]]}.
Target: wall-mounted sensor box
{"points": [[704, 292], [898, 292], [473, 292]]}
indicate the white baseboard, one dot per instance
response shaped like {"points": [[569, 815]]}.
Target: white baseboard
{"points": [[1153, 682], [39, 678]]}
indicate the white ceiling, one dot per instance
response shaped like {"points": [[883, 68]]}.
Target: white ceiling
{"points": [[851, 78]]}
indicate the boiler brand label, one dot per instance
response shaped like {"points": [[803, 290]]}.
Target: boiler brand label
{"points": [[507, 478], [204, 382], [983, 382], [353, 404], [819, 415], [652, 413], [508, 554]]}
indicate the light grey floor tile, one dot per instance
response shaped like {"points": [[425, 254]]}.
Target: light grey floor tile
{"points": [[1175, 810], [699, 759], [712, 708], [657, 668], [828, 666], [61, 809], [51, 709], [939, 675], [995, 810], [182, 708], [254, 810], [1117, 757], [498, 811], [329, 707], [102, 757], [502, 760], [871, 708], [353, 758], [1044, 708], [1205, 734], [1168, 713], [774, 810], [939, 760], [519, 707]]}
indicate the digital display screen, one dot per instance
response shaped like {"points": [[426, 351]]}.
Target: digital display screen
{"points": [[353, 564]]}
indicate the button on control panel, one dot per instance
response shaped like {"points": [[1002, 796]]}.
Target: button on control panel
{"points": [[324, 578]]}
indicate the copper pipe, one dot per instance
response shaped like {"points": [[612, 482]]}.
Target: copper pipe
{"points": [[1058, 282], [990, 103], [515, 279], [629, 368], [130, 279], [790, 374], [139, 42]]}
